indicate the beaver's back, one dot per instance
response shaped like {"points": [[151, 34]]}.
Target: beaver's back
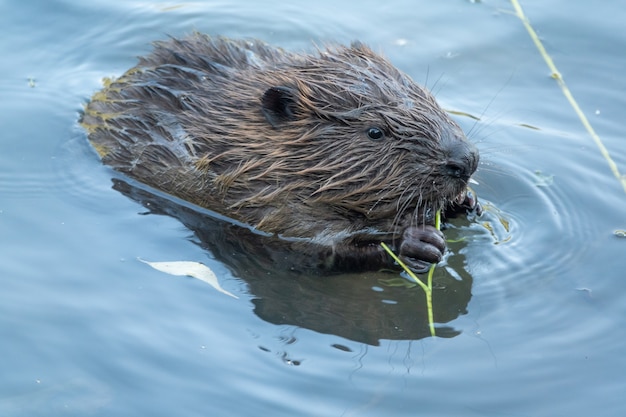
{"points": [[140, 111], [140, 123]]}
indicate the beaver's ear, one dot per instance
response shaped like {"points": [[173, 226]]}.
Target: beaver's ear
{"points": [[278, 105]]}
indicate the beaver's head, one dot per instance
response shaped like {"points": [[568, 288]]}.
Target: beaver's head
{"points": [[364, 135]]}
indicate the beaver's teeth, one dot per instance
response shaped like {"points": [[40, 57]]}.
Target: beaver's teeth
{"points": [[459, 199]]}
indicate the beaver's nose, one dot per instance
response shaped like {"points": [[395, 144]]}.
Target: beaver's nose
{"points": [[462, 159]]}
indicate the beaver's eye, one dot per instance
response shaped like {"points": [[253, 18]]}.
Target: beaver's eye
{"points": [[375, 133]]}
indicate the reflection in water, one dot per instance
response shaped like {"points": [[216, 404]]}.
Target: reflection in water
{"points": [[365, 307]]}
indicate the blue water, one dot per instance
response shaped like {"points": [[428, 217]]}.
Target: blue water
{"points": [[538, 327]]}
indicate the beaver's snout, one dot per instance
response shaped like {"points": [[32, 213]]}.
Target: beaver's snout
{"points": [[462, 159]]}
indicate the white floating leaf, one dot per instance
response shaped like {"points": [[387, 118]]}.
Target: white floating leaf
{"points": [[190, 269]]}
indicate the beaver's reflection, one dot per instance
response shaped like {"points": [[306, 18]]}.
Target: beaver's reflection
{"points": [[362, 307]]}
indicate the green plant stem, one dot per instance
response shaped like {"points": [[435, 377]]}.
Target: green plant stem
{"points": [[519, 12], [431, 271], [428, 288]]}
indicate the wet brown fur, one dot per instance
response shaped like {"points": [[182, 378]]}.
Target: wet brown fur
{"points": [[194, 119]]}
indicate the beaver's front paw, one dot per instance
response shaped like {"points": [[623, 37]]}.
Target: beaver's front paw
{"points": [[421, 246]]}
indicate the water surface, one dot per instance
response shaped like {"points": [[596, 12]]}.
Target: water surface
{"points": [[530, 308]]}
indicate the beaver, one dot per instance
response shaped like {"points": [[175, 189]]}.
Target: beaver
{"points": [[336, 149]]}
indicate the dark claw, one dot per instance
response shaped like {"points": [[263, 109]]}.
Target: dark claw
{"points": [[470, 203], [422, 246], [419, 267]]}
